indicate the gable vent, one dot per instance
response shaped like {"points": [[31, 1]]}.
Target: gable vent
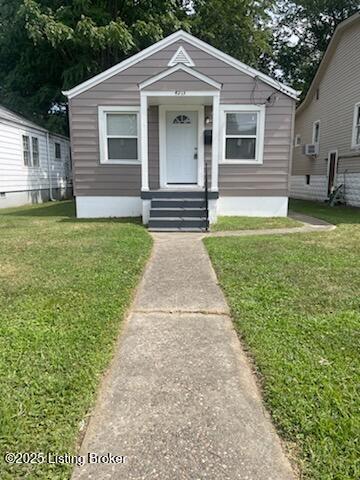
{"points": [[181, 56]]}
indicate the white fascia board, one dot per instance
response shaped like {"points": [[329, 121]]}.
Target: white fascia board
{"points": [[180, 35], [176, 68]]}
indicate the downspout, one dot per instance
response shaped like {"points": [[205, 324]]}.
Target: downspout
{"points": [[52, 199]]}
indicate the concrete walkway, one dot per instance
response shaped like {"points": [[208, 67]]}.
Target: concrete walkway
{"points": [[180, 400]]}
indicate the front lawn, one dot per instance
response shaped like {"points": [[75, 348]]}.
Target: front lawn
{"points": [[296, 305], [336, 215], [252, 223], [65, 286]]}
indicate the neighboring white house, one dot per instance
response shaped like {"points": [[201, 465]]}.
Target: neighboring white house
{"points": [[327, 124], [35, 165]]}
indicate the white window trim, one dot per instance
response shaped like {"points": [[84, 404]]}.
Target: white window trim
{"points": [[355, 126], [297, 142], [102, 112], [260, 133], [57, 159], [317, 122], [31, 159]]}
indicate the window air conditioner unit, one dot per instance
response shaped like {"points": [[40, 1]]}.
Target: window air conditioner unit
{"points": [[311, 149]]}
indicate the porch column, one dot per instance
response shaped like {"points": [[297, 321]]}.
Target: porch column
{"points": [[144, 142], [215, 142]]}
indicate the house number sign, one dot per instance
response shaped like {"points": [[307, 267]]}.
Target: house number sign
{"points": [[180, 92]]}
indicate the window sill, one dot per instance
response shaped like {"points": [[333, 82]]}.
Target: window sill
{"points": [[120, 162]]}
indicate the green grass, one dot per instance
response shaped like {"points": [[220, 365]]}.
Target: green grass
{"points": [[252, 223], [296, 305], [336, 215], [64, 288]]}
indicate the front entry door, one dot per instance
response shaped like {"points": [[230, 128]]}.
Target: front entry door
{"points": [[181, 147]]}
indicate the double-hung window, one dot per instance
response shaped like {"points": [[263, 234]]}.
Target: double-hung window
{"points": [[30, 151], [35, 151], [119, 134], [26, 150], [243, 133], [356, 127]]}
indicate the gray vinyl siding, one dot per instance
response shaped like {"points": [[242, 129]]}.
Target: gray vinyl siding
{"points": [[339, 91], [93, 179], [179, 81]]}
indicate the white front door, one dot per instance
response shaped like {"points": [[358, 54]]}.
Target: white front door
{"points": [[181, 147]]}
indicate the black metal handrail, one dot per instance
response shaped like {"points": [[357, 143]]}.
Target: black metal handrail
{"points": [[206, 190]]}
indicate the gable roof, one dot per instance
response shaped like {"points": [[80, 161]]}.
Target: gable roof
{"points": [[183, 68], [174, 37], [329, 52], [11, 117]]}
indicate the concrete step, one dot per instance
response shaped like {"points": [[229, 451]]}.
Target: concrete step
{"points": [[176, 222], [178, 212], [174, 194], [177, 203]]}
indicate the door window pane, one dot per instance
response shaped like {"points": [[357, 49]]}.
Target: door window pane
{"points": [[240, 148], [121, 124], [122, 149], [241, 123]]}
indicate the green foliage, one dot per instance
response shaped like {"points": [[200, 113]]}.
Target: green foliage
{"points": [[302, 34], [237, 27], [47, 46]]}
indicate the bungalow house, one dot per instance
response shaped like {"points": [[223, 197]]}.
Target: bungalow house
{"points": [[327, 125], [145, 131], [35, 165]]}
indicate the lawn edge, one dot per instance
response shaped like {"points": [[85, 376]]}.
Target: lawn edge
{"points": [[104, 376], [290, 448]]}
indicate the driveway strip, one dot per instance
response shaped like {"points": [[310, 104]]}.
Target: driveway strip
{"points": [[180, 400]]}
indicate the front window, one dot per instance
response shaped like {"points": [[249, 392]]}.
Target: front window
{"points": [[119, 133], [243, 135], [356, 126]]}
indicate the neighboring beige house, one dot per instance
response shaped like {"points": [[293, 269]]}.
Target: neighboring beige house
{"points": [[35, 165], [327, 122], [142, 132]]}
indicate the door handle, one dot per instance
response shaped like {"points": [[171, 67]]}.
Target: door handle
{"points": [[195, 154]]}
